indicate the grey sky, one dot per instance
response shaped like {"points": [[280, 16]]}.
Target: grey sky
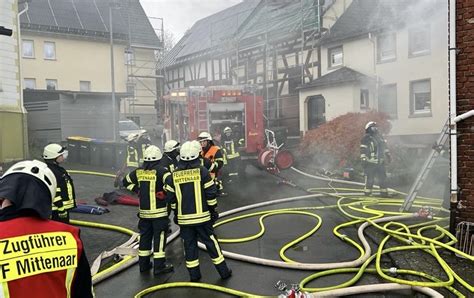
{"points": [[180, 15]]}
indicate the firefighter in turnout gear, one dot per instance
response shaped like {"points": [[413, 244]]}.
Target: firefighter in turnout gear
{"points": [[205, 162], [373, 155], [231, 152], [170, 156], [192, 193], [153, 214], [51, 261], [215, 155], [65, 198], [137, 144]]}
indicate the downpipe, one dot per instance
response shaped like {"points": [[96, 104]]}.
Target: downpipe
{"points": [[452, 114]]}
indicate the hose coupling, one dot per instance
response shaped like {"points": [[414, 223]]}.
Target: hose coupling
{"points": [[393, 270]]}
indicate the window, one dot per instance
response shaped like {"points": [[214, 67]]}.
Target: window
{"points": [[420, 97], [364, 99], [335, 57], [51, 84], [386, 47], [419, 41], [29, 83], [28, 49], [85, 86], [129, 57], [49, 50], [388, 100]]}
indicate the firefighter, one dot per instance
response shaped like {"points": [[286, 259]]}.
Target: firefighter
{"points": [[65, 199], [132, 151], [232, 154], [170, 156], [137, 143], [50, 260], [213, 153], [374, 154], [205, 162], [153, 214], [192, 193]]}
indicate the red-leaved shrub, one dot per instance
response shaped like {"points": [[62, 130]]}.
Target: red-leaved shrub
{"points": [[337, 143]]}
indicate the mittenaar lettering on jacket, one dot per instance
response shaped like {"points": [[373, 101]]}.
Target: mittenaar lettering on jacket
{"points": [[38, 253], [185, 176]]}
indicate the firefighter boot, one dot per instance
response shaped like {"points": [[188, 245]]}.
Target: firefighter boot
{"points": [[144, 263], [194, 274], [223, 270], [163, 268]]}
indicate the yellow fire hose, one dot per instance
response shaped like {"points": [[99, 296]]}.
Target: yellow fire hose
{"points": [[346, 204]]}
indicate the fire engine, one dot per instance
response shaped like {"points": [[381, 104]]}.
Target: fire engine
{"points": [[189, 111]]}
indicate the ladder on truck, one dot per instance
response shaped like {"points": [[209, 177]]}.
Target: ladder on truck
{"points": [[202, 111], [438, 149]]}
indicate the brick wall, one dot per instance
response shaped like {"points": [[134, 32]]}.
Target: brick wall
{"points": [[465, 102]]}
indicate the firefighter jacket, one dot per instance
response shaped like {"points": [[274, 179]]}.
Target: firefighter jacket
{"points": [[141, 144], [230, 147], [192, 193], [42, 258], [132, 155], [214, 153], [65, 199], [207, 163], [147, 181], [168, 162], [373, 149]]}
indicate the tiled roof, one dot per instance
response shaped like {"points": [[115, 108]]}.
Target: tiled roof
{"points": [[338, 76], [243, 22], [212, 30], [90, 18], [364, 16]]}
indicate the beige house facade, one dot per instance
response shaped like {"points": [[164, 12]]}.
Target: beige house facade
{"points": [[398, 67], [69, 51], [13, 137]]}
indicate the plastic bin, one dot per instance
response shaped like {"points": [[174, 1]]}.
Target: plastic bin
{"points": [[95, 153], [80, 147], [73, 150], [108, 154], [120, 154]]}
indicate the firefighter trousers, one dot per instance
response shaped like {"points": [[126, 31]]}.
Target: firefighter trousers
{"points": [[152, 230], [205, 233], [373, 171]]}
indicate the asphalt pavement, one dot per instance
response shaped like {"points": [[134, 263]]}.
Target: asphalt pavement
{"points": [[257, 186]]}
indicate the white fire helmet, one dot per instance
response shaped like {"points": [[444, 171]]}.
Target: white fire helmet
{"points": [[132, 137], [170, 146], [370, 124], [189, 151], [227, 130], [36, 169], [52, 151], [152, 153], [204, 136]]}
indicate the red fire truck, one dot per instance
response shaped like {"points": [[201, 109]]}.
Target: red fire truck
{"points": [[189, 111]]}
